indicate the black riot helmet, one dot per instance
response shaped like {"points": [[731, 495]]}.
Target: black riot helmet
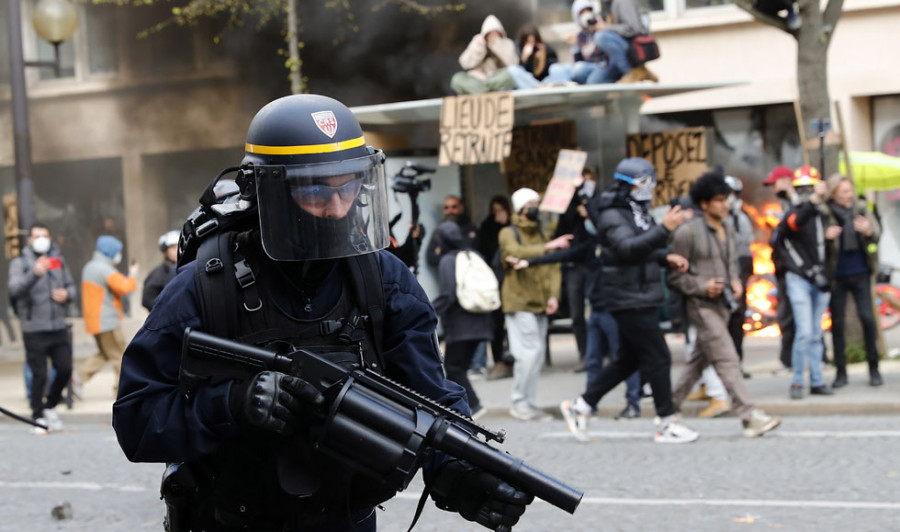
{"points": [[320, 190]]}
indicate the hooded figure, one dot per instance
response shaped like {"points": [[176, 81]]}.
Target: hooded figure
{"points": [[485, 60]]}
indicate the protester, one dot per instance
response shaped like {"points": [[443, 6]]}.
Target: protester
{"points": [[463, 330], [102, 289], [575, 274], [485, 61], [529, 297], [535, 59], [800, 242], [633, 250], [165, 272], [488, 245], [40, 286], [454, 211], [780, 179], [588, 58], [852, 233], [712, 287], [783, 9], [742, 227]]}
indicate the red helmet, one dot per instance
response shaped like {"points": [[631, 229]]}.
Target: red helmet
{"points": [[806, 175]]}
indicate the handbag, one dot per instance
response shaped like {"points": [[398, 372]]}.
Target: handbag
{"points": [[642, 48]]}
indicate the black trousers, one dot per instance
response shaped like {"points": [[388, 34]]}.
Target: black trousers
{"points": [[498, 351], [861, 288], [642, 348], [576, 277], [457, 359], [39, 347], [736, 320], [785, 322]]}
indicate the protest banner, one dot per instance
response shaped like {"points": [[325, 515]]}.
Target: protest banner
{"points": [[535, 149], [569, 165], [679, 155], [476, 128]]}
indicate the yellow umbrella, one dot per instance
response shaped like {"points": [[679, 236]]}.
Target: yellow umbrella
{"points": [[873, 170]]}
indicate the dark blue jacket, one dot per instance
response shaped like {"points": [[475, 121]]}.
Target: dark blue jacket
{"points": [[154, 422]]}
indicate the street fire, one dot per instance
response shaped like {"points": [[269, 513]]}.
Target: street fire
{"points": [[762, 291]]}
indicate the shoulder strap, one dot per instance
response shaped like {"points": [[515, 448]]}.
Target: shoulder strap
{"points": [[368, 292], [216, 294]]}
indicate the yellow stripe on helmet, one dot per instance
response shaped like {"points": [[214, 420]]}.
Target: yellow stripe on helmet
{"points": [[304, 150]]}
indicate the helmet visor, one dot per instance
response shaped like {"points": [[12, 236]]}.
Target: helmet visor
{"points": [[323, 211]]}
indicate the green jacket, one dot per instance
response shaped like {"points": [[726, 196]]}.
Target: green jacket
{"points": [[869, 243], [526, 290]]}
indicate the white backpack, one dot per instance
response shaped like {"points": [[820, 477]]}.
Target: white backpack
{"points": [[476, 285]]}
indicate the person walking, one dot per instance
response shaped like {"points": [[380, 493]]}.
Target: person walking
{"points": [[40, 286], [633, 251], [712, 287], [102, 288], [160, 276]]}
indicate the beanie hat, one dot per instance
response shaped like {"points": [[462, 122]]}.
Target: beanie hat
{"points": [[777, 173], [522, 196], [109, 245]]}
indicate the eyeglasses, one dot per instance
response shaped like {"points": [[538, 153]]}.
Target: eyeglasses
{"points": [[321, 194], [644, 180]]}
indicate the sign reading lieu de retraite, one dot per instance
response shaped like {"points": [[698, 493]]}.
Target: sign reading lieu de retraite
{"points": [[476, 128]]}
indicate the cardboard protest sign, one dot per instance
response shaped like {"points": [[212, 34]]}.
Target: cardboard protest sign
{"points": [[679, 155], [569, 165], [535, 149], [476, 129]]}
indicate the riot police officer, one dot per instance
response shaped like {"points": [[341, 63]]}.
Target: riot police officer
{"points": [[246, 461]]}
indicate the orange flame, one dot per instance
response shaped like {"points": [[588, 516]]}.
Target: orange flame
{"points": [[766, 216]]}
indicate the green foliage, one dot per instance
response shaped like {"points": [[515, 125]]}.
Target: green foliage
{"points": [[856, 352]]}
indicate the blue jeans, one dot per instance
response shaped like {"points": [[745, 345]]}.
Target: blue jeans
{"points": [[578, 72], [808, 304], [616, 48], [479, 361], [523, 78], [602, 339]]}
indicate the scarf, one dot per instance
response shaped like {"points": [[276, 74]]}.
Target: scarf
{"points": [[642, 217], [849, 236]]}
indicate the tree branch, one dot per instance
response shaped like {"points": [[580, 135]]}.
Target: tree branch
{"points": [[830, 18], [747, 5]]}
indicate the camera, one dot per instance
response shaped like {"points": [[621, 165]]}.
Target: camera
{"points": [[816, 276], [406, 181], [728, 296]]}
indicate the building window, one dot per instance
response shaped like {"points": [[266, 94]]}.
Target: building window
{"points": [[693, 4], [66, 59], [100, 34]]}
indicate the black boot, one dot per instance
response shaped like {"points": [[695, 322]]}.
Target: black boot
{"points": [[875, 377], [841, 379]]}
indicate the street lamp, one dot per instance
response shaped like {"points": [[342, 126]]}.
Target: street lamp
{"points": [[54, 21]]}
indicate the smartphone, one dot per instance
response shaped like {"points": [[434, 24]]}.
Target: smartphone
{"points": [[54, 263]]}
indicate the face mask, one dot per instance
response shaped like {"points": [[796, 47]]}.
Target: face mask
{"points": [[117, 259], [587, 19], [41, 245], [644, 191], [532, 213], [782, 194], [590, 227], [738, 204]]}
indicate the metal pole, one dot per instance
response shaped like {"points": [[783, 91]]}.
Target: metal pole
{"points": [[294, 50], [21, 133]]}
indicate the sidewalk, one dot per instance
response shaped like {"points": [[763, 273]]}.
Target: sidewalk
{"points": [[558, 382]]}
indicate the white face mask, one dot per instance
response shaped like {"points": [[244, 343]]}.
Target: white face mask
{"points": [[643, 190], [41, 245], [118, 258]]}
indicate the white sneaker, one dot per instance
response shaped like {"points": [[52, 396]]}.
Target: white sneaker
{"points": [[526, 412], [38, 431], [576, 421], [53, 422], [675, 432], [759, 424]]}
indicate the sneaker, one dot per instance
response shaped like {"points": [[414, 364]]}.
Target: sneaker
{"points": [[38, 431], [478, 374], [675, 432], [478, 413], [629, 412], [53, 422], [526, 412], [759, 424], [500, 371], [575, 420], [699, 395], [840, 381], [716, 408], [821, 390], [796, 391]]}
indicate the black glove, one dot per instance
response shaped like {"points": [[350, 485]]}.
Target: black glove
{"points": [[478, 496], [276, 402]]}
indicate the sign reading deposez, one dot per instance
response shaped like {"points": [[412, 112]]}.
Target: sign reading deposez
{"points": [[476, 129], [679, 155]]}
